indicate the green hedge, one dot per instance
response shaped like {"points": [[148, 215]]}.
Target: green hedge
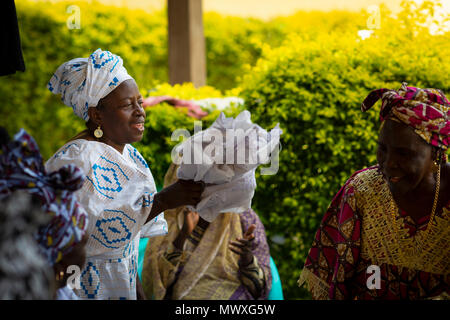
{"points": [[232, 43], [47, 42], [314, 86], [140, 38]]}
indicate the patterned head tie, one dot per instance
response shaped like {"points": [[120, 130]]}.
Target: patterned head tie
{"points": [[427, 111], [82, 82], [22, 168]]}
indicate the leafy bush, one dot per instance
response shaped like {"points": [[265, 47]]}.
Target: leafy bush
{"points": [[140, 38], [313, 86], [47, 42], [233, 42]]}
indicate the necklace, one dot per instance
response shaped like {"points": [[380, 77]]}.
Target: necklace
{"points": [[414, 245]]}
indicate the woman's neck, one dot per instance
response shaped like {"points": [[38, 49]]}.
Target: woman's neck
{"points": [[87, 135], [109, 142], [419, 202]]}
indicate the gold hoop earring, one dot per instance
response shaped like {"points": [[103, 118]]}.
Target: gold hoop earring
{"points": [[98, 133]]}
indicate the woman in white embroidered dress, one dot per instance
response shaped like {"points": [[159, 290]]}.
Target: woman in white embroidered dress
{"points": [[119, 192]]}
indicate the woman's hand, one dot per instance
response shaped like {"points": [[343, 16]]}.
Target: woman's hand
{"points": [[190, 222], [180, 193], [243, 247]]}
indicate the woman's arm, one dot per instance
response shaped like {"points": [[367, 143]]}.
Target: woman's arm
{"points": [[190, 222], [250, 273], [181, 193]]}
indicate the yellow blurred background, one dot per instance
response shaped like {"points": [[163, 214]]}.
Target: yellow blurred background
{"points": [[263, 9]]}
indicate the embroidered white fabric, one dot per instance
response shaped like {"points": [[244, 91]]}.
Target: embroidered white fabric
{"points": [[117, 194], [225, 156]]}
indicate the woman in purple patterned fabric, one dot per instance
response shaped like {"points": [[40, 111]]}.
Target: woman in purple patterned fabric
{"points": [[61, 236], [227, 259], [386, 233]]}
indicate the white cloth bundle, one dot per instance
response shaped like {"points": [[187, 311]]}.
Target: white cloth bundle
{"points": [[225, 156]]}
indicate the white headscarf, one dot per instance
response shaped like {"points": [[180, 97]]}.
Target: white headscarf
{"points": [[82, 82]]}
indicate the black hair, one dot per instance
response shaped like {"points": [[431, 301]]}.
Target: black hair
{"points": [[101, 104]]}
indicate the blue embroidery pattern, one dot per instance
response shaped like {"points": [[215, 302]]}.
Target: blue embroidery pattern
{"points": [[81, 87], [133, 269], [128, 249], [111, 57], [113, 231], [64, 150], [107, 177], [90, 281], [114, 81], [86, 108], [146, 202], [50, 87], [115, 64], [135, 155]]}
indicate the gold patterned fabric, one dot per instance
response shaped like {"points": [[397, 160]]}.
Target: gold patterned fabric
{"points": [[358, 231]]}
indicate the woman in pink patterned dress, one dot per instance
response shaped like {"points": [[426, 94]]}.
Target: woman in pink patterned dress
{"points": [[386, 233]]}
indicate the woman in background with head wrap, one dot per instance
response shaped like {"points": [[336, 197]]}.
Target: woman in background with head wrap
{"points": [[119, 192], [57, 221], [386, 233], [227, 259]]}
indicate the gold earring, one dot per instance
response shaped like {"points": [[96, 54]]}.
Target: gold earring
{"points": [[98, 133]]}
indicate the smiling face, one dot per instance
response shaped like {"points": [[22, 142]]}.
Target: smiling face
{"points": [[120, 115], [405, 159]]}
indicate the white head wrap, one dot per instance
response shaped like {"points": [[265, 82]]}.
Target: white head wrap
{"points": [[82, 82]]}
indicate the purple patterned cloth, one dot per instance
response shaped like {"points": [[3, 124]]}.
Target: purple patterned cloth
{"points": [[22, 168]]}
